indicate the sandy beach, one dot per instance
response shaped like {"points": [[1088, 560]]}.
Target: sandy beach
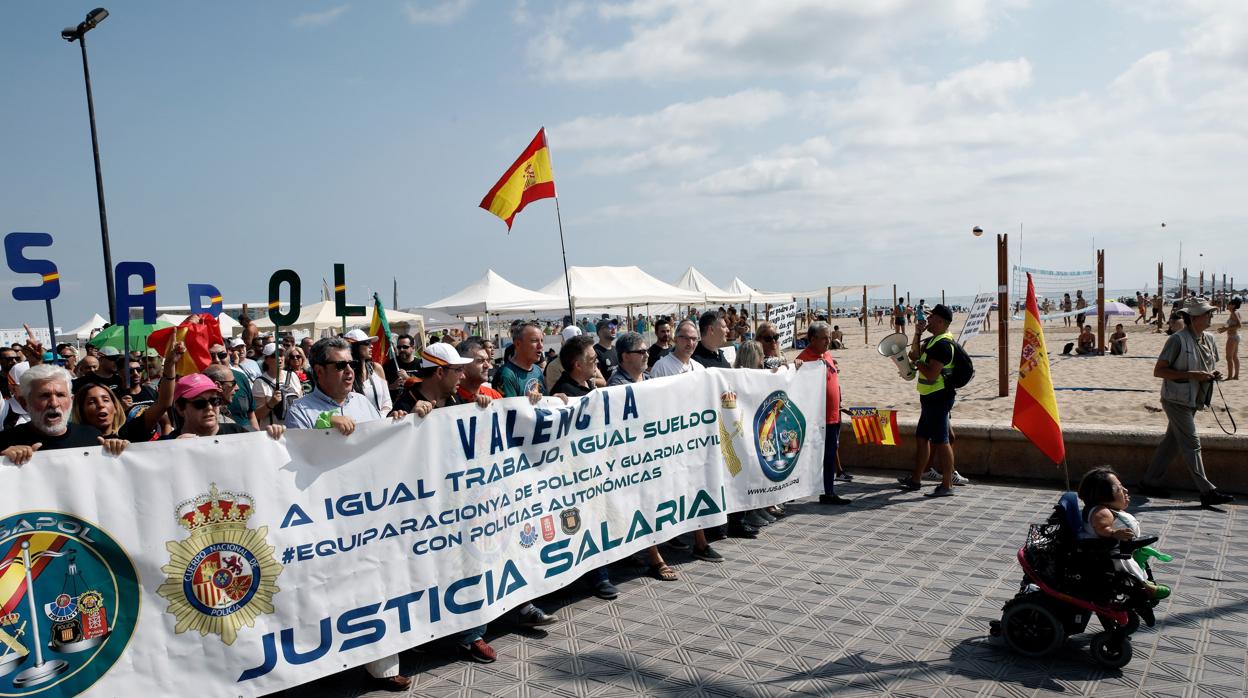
{"points": [[1113, 390]]}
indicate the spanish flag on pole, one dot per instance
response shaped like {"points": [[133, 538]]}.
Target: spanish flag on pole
{"points": [[528, 179], [380, 328], [1035, 405]]}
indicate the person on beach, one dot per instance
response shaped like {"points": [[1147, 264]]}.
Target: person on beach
{"points": [[1187, 366], [1066, 307], [818, 341], [1159, 307], [1080, 304], [1118, 341], [899, 316], [1231, 328]]}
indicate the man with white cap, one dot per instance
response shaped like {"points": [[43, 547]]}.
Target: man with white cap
{"points": [[238, 356], [1187, 366], [554, 367], [441, 369]]}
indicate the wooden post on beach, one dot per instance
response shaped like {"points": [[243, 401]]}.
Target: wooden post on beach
{"points": [[942, 296], [829, 304], [1201, 292], [1100, 301], [866, 333], [1003, 315], [1183, 285], [754, 314], [1161, 291]]}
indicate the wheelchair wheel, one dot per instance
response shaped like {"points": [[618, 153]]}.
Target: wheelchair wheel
{"points": [[1031, 629], [1110, 651], [1133, 623]]}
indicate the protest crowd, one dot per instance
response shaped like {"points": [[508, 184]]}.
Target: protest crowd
{"points": [[62, 397]]}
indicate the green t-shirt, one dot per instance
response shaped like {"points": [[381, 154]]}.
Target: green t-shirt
{"points": [[513, 381]]}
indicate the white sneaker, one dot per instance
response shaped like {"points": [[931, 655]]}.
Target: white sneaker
{"points": [[933, 476]]}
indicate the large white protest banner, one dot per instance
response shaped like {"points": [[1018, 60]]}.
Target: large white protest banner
{"points": [[784, 317], [976, 321], [240, 565]]}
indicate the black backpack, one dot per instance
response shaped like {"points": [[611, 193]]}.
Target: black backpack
{"points": [[963, 369]]}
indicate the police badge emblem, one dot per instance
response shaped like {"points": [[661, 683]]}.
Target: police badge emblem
{"points": [[528, 535], [224, 575], [570, 520], [548, 528]]}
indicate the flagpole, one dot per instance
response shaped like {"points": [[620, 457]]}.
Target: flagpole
{"points": [[567, 280]]}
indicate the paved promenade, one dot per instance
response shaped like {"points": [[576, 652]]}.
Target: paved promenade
{"points": [[889, 597]]}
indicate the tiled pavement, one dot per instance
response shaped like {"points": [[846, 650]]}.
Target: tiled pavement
{"points": [[889, 597]]}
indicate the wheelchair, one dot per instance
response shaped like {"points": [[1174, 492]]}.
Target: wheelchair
{"points": [[1070, 577]]}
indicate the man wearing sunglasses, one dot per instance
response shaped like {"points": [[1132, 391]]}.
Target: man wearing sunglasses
{"points": [[403, 365], [680, 360], [106, 371], [333, 404], [235, 387], [818, 339], [441, 369]]}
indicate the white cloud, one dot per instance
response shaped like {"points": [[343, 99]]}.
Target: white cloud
{"points": [[320, 19], [683, 120], [443, 12], [1148, 78], [664, 155], [762, 176], [821, 39]]}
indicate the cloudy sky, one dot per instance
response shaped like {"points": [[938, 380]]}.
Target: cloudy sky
{"points": [[794, 143]]}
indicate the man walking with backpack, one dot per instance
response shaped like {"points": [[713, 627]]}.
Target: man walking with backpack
{"points": [[942, 368]]}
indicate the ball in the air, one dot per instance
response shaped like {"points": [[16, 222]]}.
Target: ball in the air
{"points": [[977, 231]]}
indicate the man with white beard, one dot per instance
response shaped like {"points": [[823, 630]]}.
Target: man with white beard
{"points": [[44, 392]]}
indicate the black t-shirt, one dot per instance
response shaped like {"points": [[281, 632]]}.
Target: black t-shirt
{"points": [[144, 398], [393, 365], [113, 382], [223, 428], [657, 352], [710, 359], [941, 352], [135, 430], [569, 387], [608, 359], [75, 436], [411, 395]]}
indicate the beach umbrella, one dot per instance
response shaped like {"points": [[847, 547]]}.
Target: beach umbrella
{"points": [[1116, 308], [114, 336]]}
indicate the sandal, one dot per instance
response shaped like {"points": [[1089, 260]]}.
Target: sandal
{"points": [[663, 573]]}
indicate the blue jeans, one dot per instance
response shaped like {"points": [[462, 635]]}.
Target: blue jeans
{"points": [[470, 635], [831, 443]]}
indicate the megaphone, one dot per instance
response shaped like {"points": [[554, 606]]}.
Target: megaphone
{"points": [[894, 346]]}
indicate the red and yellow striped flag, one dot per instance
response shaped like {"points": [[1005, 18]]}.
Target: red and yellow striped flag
{"points": [[874, 426], [528, 179], [1035, 404]]}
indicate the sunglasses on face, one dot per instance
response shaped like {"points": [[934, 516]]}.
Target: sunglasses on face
{"points": [[643, 352], [221, 355], [226, 384], [768, 337], [203, 402], [136, 369], [405, 347], [339, 365]]}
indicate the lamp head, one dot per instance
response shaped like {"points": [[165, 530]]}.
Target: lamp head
{"points": [[95, 16], [69, 34]]}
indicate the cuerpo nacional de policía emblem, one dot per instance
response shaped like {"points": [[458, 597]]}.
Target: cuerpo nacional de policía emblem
{"points": [[69, 601], [224, 575], [779, 433]]}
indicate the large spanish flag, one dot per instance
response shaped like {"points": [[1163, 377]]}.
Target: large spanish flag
{"points": [[528, 179], [198, 332], [1035, 405]]}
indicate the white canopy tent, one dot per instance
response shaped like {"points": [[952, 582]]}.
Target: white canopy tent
{"points": [[598, 289], [86, 329], [321, 317], [493, 294], [740, 288], [842, 290], [696, 281]]}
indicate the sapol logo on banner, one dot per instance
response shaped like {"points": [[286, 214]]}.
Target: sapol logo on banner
{"points": [[70, 603], [779, 433]]}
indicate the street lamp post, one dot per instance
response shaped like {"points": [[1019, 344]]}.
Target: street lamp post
{"points": [[79, 34]]}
